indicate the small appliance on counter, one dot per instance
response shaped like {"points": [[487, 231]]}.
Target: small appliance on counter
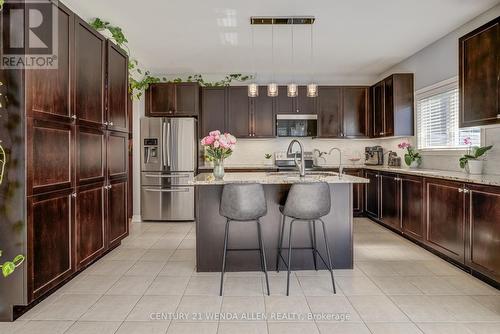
{"points": [[282, 160], [374, 155], [393, 160]]}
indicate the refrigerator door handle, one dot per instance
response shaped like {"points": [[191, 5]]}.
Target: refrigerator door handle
{"points": [[168, 144], [176, 190], [163, 144]]}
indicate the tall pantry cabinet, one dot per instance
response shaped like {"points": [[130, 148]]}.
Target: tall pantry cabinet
{"points": [[76, 124]]}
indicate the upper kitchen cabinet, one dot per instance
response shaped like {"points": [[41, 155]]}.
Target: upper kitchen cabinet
{"points": [[392, 106], [342, 111], [239, 113], [479, 75], [263, 120], [54, 102], [117, 88], [173, 99], [213, 110], [301, 104], [90, 64]]}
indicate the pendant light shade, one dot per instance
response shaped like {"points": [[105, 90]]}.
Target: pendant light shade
{"points": [[253, 90], [312, 90], [291, 90], [272, 89]]}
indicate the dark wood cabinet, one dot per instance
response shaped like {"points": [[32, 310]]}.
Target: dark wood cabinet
{"points": [[117, 88], [479, 75], [89, 63], [90, 219], [445, 219], [483, 246], [213, 110], [239, 113], [390, 200], [412, 206], [172, 99], [392, 106], [329, 111], [263, 118], [301, 104], [357, 191], [117, 222], [50, 241], [117, 155], [90, 155], [372, 194]]}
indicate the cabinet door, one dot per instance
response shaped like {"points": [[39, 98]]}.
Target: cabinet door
{"points": [[412, 206], [90, 155], [354, 111], [48, 91], [50, 149], [89, 227], [304, 104], [117, 100], [117, 155], [330, 115], [479, 72], [389, 107], [89, 74], [372, 193], [378, 109], [390, 200], [239, 112], [357, 192], [213, 110], [50, 241], [117, 222], [484, 244], [160, 99], [187, 99], [445, 217], [284, 104], [263, 114]]}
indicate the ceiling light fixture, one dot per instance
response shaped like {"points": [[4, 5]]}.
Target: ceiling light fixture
{"points": [[272, 88], [291, 89], [312, 88], [253, 88]]}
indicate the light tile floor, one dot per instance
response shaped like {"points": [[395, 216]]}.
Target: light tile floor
{"points": [[395, 287]]}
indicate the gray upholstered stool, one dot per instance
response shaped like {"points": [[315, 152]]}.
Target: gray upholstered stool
{"points": [[243, 203], [306, 202]]}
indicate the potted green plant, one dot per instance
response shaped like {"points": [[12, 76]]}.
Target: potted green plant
{"points": [[269, 158], [413, 158], [472, 162]]}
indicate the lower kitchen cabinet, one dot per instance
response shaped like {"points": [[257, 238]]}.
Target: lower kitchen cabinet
{"points": [[445, 217], [390, 200], [372, 194], [412, 206], [357, 192], [90, 223], [50, 241], [483, 253], [117, 221]]}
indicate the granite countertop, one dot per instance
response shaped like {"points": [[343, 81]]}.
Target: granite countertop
{"points": [[207, 179]]}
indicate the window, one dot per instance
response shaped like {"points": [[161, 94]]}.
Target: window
{"points": [[437, 118]]}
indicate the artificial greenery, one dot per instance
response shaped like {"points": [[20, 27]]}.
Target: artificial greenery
{"points": [[473, 153], [140, 80], [8, 267], [1, 4], [268, 156], [3, 162]]}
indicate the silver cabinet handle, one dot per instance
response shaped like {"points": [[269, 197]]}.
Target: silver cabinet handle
{"points": [[111, 124], [498, 116], [73, 116], [176, 190], [168, 176], [460, 190], [73, 195], [466, 191], [105, 123]]}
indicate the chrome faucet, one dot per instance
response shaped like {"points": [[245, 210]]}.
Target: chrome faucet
{"points": [[340, 159], [302, 165]]}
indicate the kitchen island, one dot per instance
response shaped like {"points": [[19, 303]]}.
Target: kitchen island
{"points": [[210, 225]]}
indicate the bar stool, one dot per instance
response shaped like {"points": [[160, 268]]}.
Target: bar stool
{"points": [[306, 202], [243, 203]]}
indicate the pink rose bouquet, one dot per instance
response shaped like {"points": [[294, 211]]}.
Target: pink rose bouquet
{"points": [[218, 146]]}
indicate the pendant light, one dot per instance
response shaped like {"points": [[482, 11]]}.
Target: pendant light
{"points": [[291, 89], [272, 88], [312, 88], [253, 87]]}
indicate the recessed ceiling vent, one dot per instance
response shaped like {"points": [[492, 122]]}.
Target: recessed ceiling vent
{"points": [[282, 20]]}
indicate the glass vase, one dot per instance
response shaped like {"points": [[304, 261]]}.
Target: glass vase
{"points": [[219, 169]]}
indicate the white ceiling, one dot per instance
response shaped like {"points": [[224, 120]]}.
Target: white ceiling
{"points": [[354, 39]]}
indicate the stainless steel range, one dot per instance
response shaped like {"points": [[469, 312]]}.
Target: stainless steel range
{"points": [[168, 163]]}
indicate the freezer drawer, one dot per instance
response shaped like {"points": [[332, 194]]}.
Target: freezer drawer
{"points": [[174, 203], [166, 180]]}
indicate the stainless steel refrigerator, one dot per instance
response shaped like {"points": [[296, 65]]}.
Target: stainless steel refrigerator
{"points": [[168, 163]]}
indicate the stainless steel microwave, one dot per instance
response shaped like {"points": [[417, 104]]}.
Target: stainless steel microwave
{"points": [[293, 125]]}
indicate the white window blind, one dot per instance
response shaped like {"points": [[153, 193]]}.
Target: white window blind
{"points": [[437, 119]]}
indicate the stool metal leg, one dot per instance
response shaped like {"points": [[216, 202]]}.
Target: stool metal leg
{"points": [[226, 233], [280, 244], [263, 255], [328, 255], [289, 259], [312, 226]]}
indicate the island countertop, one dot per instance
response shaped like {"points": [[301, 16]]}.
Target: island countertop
{"points": [[207, 179]]}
